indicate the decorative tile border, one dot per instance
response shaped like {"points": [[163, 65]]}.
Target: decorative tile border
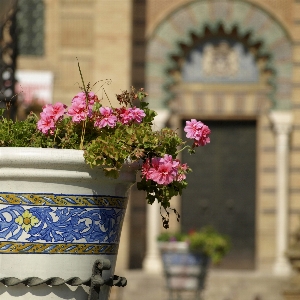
{"points": [[48, 248], [62, 200]]}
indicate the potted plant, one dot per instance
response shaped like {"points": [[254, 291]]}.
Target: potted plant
{"points": [[186, 257], [64, 178]]}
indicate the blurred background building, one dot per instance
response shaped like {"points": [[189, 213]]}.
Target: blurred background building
{"points": [[234, 64]]}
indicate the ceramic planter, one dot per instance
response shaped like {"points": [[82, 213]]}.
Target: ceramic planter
{"points": [[57, 217], [184, 270]]}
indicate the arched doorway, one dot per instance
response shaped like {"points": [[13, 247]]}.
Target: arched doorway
{"points": [[223, 80]]}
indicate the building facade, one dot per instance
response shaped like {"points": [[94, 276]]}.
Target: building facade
{"points": [[234, 64]]}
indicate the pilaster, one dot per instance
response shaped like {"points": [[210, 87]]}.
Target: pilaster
{"points": [[282, 121]]}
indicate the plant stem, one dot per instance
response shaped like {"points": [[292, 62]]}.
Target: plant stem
{"points": [[82, 134], [107, 96], [87, 99], [55, 134], [177, 152]]}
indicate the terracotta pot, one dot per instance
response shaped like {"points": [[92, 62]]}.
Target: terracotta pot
{"points": [[57, 217]]}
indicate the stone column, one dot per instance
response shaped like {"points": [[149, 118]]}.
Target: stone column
{"points": [[282, 121], [152, 262]]}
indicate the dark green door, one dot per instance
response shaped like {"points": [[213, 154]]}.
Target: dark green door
{"points": [[221, 188]]}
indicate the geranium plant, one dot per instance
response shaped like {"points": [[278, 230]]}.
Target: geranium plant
{"points": [[207, 240], [110, 136]]}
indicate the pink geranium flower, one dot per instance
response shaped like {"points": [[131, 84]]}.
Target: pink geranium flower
{"points": [[182, 169], [146, 169], [107, 118], [59, 109], [193, 129], [198, 131], [204, 138], [55, 111], [162, 170], [125, 115], [169, 159], [137, 114], [92, 99], [164, 174], [78, 110], [46, 123], [48, 109]]}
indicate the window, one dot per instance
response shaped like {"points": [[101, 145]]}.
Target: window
{"points": [[30, 22]]}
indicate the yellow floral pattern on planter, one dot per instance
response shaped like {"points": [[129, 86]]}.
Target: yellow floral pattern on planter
{"points": [[26, 220]]}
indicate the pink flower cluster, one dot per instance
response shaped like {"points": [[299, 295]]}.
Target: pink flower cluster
{"points": [[81, 110], [109, 117], [50, 115], [164, 170], [198, 131], [131, 114], [105, 118]]}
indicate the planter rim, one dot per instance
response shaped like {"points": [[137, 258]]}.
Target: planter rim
{"points": [[173, 246], [20, 162], [27, 154]]}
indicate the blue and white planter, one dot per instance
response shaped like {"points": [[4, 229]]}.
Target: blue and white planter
{"points": [[57, 217], [184, 270]]}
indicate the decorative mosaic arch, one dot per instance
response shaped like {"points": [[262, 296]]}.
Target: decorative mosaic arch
{"points": [[192, 18]]}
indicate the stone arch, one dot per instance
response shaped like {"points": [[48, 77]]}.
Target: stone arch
{"points": [[192, 19]]}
